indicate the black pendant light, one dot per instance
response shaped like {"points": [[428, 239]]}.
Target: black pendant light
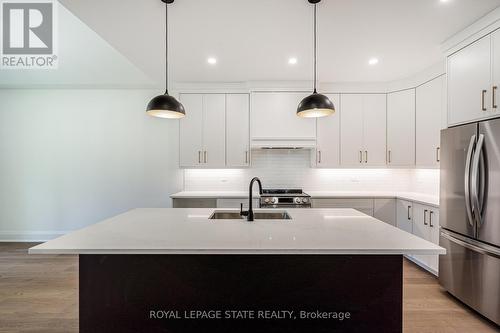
{"points": [[166, 106], [315, 105]]}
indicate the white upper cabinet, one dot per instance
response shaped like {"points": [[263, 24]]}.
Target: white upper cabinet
{"points": [[274, 117], [363, 129], [401, 128], [202, 131], [191, 131], [430, 108], [328, 137], [351, 129], [237, 130], [495, 97], [469, 81], [214, 139], [374, 129]]}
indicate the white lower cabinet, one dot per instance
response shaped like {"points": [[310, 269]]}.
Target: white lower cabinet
{"points": [[362, 205], [236, 203], [423, 221], [426, 226], [404, 211], [385, 210]]}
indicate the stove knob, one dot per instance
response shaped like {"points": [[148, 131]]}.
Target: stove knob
{"points": [[266, 200], [297, 200], [305, 200], [275, 200]]}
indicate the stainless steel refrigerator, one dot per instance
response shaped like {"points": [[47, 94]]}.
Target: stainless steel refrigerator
{"points": [[470, 215]]}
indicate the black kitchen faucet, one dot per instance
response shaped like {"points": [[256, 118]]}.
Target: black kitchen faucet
{"points": [[249, 212]]}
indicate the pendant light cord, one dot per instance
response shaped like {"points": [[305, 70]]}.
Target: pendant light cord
{"points": [[166, 48], [315, 55]]}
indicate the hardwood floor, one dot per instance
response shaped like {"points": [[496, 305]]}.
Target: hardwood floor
{"points": [[39, 293]]}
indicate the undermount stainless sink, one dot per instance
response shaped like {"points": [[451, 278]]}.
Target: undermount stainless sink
{"points": [[258, 215], [221, 215]]}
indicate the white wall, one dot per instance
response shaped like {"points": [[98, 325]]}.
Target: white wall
{"points": [[291, 168], [70, 158]]}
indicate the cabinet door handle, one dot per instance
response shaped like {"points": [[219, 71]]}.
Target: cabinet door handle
{"points": [[360, 156], [389, 156], [205, 156], [425, 215], [483, 93], [438, 149], [319, 156], [246, 156], [430, 219], [493, 98], [366, 156], [409, 217], [199, 156]]}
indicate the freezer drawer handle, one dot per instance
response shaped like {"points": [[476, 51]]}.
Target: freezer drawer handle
{"points": [[469, 245], [425, 214]]}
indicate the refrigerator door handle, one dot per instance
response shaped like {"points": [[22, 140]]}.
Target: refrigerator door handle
{"points": [[477, 205], [471, 245], [467, 179]]}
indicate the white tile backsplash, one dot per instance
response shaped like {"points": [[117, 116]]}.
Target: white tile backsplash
{"points": [[291, 168]]}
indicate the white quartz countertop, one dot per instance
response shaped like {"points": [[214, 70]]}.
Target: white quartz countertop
{"points": [[189, 231], [426, 199]]}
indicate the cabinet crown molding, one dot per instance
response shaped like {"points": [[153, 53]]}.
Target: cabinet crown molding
{"points": [[482, 27]]}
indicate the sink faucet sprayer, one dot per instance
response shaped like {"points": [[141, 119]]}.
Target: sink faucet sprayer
{"points": [[249, 212]]}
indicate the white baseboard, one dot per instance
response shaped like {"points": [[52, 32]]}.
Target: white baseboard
{"points": [[421, 264], [30, 236]]}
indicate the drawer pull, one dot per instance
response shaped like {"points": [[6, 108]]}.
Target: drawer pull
{"points": [[493, 98], [483, 93]]}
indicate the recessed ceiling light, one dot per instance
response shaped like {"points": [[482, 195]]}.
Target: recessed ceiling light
{"points": [[444, 0], [292, 61], [373, 61], [212, 60]]}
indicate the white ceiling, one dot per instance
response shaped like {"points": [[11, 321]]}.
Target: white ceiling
{"points": [[85, 59], [253, 39]]}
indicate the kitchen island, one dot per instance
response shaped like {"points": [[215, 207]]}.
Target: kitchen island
{"points": [[177, 270]]}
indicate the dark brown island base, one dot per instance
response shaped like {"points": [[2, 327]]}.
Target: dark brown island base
{"points": [[240, 293]]}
